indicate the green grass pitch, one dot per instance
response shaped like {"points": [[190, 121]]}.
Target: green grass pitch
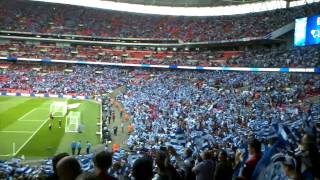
{"points": [[24, 122]]}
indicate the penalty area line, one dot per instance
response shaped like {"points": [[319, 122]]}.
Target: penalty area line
{"points": [[31, 120], [26, 114], [35, 132], [5, 154], [17, 132]]}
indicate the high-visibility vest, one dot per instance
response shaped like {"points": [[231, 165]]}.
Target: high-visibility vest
{"points": [[115, 147]]}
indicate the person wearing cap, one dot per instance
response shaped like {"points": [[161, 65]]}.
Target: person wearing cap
{"points": [[289, 167]]}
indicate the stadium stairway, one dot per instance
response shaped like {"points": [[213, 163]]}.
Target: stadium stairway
{"points": [[281, 31], [121, 138]]}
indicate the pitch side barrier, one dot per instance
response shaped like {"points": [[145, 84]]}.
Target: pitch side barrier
{"points": [[247, 69], [45, 95]]}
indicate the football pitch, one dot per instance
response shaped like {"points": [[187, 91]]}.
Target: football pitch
{"points": [[24, 127]]}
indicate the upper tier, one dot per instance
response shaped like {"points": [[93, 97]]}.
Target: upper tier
{"points": [[66, 19]]}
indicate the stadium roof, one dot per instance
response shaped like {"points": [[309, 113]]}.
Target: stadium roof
{"points": [[172, 7], [189, 3]]}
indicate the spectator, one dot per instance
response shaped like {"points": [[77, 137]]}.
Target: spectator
{"points": [[224, 168], [289, 166], [121, 113], [254, 149], [143, 169], [188, 164], [130, 128], [113, 116], [310, 157], [165, 170], [115, 129], [122, 126], [55, 161], [68, 168], [87, 176], [205, 169], [102, 162]]}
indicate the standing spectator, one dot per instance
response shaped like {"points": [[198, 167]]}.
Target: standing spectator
{"points": [[79, 147], [68, 168], [175, 159], [88, 146], [165, 169], [121, 113], [254, 149], [310, 157], [142, 169], [204, 170], [55, 161], [102, 162], [289, 167], [115, 129], [109, 119], [113, 116], [224, 169], [122, 126], [110, 111], [73, 147], [130, 128], [188, 164]]}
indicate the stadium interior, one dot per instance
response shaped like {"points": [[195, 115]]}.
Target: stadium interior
{"points": [[92, 92]]}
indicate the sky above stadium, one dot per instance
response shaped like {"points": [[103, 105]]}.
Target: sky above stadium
{"points": [[183, 11]]}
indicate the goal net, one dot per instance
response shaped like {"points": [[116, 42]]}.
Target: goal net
{"points": [[59, 109], [72, 122]]}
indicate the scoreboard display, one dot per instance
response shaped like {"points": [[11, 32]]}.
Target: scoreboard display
{"points": [[307, 31]]}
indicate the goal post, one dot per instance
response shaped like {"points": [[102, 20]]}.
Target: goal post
{"points": [[73, 122], [59, 109]]}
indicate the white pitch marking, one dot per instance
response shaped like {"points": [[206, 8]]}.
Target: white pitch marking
{"points": [[31, 120], [5, 154], [16, 131], [35, 132], [26, 114]]}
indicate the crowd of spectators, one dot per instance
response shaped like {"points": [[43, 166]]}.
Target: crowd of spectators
{"points": [[47, 79], [308, 56], [194, 124], [37, 17], [108, 54], [219, 111], [187, 124]]}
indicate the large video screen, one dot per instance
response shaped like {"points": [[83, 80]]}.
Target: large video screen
{"points": [[307, 31]]}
